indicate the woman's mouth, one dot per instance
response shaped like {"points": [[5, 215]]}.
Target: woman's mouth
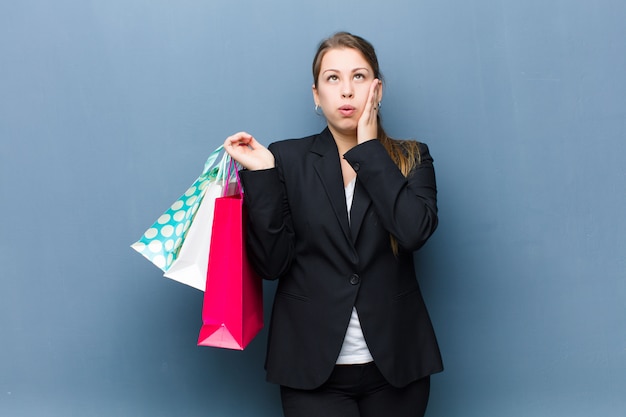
{"points": [[347, 110]]}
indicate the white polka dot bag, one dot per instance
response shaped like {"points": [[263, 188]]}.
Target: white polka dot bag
{"points": [[179, 241]]}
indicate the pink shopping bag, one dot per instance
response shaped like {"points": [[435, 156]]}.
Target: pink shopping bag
{"points": [[232, 312]]}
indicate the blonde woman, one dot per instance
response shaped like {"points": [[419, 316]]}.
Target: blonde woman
{"points": [[335, 218]]}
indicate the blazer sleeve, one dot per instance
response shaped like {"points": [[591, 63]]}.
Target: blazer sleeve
{"points": [[270, 236], [407, 207]]}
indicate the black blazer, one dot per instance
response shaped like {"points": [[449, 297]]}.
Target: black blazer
{"points": [[298, 232]]}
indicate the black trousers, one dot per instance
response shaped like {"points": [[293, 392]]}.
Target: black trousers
{"points": [[357, 391]]}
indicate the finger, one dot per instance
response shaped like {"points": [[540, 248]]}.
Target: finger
{"points": [[370, 104], [375, 96], [240, 138]]}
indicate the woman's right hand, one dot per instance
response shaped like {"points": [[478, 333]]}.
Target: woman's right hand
{"points": [[245, 149]]}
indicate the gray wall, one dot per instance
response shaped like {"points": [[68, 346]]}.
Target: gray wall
{"points": [[108, 110]]}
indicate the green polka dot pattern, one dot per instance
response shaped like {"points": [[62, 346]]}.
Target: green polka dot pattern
{"points": [[161, 243]]}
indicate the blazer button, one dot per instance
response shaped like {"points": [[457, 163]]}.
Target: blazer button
{"points": [[355, 279], [356, 166]]}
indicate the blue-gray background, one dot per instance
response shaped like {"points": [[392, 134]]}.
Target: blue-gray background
{"points": [[109, 108]]}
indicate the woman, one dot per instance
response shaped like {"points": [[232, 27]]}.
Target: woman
{"points": [[336, 217]]}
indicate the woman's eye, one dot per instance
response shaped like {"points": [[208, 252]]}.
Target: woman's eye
{"points": [[359, 76], [332, 78]]}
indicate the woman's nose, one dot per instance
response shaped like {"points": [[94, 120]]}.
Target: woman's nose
{"points": [[347, 91]]}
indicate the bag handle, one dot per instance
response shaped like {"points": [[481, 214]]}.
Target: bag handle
{"points": [[231, 165], [210, 162], [222, 171]]}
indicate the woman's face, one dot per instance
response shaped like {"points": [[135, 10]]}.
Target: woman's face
{"points": [[343, 87]]}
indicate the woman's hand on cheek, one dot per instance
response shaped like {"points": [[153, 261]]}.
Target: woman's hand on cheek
{"points": [[367, 127], [245, 149]]}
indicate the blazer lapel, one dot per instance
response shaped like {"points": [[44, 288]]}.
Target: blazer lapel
{"points": [[360, 203], [328, 169]]}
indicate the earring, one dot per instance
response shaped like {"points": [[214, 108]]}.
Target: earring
{"points": [[380, 103], [317, 107]]}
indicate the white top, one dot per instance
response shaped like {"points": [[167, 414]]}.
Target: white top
{"points": [[354, 349]]}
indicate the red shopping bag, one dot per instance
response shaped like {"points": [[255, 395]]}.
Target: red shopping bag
{"points": [[232, 312]]}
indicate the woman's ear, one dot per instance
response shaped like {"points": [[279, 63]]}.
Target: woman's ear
{"points": [[316, 98]]}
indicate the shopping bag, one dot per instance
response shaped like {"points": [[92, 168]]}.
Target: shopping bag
{"points": [[232, 311], [165, 242], [190, 265]]}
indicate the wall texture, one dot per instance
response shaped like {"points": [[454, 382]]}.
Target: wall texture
{"points": [[108, 110]]}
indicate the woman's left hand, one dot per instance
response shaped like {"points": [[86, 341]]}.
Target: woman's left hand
{"points": [[367, 127]]}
